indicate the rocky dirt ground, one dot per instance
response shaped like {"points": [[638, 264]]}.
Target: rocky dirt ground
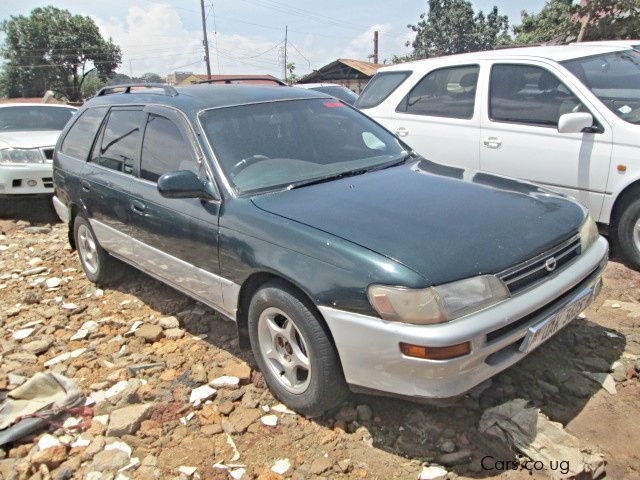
{"points": [[140, 349]]}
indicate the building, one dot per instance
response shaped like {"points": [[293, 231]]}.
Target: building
{"points": [[176, 78], [353, 74], [197, 77]]}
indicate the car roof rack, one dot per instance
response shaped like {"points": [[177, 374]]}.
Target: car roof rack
{"points": [[168, 89], [242, 79]]}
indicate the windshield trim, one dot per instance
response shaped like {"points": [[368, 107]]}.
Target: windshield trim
{"points": [[233, 190]]}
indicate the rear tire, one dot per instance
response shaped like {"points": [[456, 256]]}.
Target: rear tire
{"points": [[98, 265], [628, 234], [294, 351]]}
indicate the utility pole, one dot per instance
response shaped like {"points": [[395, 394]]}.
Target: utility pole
{"points": [[375, 46], [286, 30], [205, 42]]}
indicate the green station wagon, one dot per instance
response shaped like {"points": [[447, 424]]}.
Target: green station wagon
{"points": [[347, 260]]}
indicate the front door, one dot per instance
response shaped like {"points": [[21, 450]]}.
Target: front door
{"points": [[176, 238], [520, 137]]}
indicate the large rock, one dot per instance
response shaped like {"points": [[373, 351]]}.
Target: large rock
{"points": [[127, 420], [169, 322], [38, 346], [109, 460], [149, 332], [241, 418], [240, 370], [51, 457]]}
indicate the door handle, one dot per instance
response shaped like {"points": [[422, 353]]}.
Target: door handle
{"points": [[86, 187], [402, 132], [492, 142], [138, 207]]}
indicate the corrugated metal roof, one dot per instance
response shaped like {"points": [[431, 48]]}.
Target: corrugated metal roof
{"points": [[367, 68]]}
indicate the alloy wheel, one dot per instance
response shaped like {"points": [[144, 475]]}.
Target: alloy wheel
{"points": [[284, 350]]}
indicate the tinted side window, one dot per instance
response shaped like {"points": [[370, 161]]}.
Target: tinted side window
{"points": [[530, 95], [164, 149], [446, 92], [380, 87], [80, 137], [120, 141]]}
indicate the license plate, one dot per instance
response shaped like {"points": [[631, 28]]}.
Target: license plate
{"points": [[541, 332]]}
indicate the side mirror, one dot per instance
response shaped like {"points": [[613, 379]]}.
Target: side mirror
{"points": [[574, 122], [185, 184]]}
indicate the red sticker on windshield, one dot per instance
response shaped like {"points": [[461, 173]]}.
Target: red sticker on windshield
{"points": [[333, 104]]}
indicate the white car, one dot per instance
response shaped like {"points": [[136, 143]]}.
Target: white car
{"points": [[566, 117], [28, 135], [333, 89]]}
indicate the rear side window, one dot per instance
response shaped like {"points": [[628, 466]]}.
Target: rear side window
{"points": [[79, 138], [529, 95], [120, 142], [380, 87], [164, 150], [446, 92]]}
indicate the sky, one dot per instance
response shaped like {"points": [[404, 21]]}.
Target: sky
{"points": [[247, 36]]}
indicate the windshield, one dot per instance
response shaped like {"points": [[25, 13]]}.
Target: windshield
{"points": [[340, 93], [20, 119], [269, 146], [614, 78]]}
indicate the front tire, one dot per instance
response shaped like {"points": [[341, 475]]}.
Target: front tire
{"points": [[294, 351], [98, 265]]}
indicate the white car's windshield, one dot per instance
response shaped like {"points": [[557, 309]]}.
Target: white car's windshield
{"points": [[33, 118], [287, 144], [614, 78]]}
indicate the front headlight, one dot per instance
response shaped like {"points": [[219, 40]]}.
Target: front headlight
{"points": [[21, 156], [437, 304], [588, 233]]}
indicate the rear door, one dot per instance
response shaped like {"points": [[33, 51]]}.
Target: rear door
{"points": [[71, 158], [106, 183], [440, 116], [176, 238], [520, 135]]}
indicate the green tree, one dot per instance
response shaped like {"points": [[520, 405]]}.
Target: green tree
{"points": [[92, 83], [451, 26], [563, 21], [292, 77], [51, 49], [151, 77], [609, 19], [555, 23]]}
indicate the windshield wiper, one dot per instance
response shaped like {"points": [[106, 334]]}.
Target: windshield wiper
{"points": [[315, 181], [351, 173]]}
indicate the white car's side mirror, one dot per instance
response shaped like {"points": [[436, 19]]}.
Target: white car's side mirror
{"points": [[574, 122]]}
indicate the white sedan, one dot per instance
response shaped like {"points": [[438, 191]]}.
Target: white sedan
{"points": [[28, 135]]}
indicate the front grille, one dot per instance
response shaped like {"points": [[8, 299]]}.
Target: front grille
{"points": [[550, 307], [534, 270], [48, 153], [47, 182]]}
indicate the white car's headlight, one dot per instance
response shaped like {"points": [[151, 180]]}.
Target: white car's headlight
{"points": [[437, 304], [21, 155], [588, 233]]}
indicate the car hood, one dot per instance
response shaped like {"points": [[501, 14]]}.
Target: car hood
{"points": [[29, 139], [443, 222]]}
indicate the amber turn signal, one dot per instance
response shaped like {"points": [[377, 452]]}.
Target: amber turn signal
{"points": [[435, 353]]}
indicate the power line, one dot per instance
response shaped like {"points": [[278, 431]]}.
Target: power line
{"points": [[215, 36]]}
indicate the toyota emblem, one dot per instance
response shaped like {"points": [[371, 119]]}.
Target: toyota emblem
{"points": [[550, 264]]}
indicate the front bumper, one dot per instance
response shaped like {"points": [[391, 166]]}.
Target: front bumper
{"points": [[369, 346], [34, 179]]}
